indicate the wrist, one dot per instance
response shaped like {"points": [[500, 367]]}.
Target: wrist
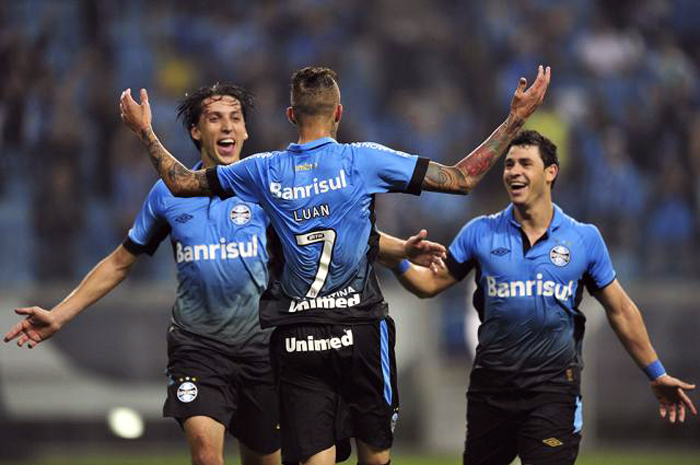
{"points": [[514, 121], [654, 370], [146, 134], [401, 267]]}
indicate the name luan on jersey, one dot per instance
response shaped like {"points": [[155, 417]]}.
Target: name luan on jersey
{"points": [[221, 251]]}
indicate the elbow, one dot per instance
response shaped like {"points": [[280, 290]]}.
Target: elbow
{"points": [[464, 189], [178, 190], [425, 293]]}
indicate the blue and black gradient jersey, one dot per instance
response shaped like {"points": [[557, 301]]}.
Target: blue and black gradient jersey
{"points": [[220, 250], [527, 298], [320, 200]]}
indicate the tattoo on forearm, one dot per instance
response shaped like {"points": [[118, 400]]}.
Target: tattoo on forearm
{"points": [[466, 174], [180, 180]]}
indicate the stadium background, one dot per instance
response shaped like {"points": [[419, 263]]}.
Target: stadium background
{"points": [[427, 77]]}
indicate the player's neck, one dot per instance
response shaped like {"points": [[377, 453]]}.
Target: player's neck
{"points": [[535, 217], [312, 132]]}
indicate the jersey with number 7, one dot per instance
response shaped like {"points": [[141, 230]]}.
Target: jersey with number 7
{"points": [[320, 200]]}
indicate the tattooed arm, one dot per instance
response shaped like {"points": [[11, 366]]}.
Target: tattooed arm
{"points": [[181, 181], [466, 174]]}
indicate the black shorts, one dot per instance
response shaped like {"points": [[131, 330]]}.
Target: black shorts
{"points": [[240, 394], [541, 428], [335, 382]]}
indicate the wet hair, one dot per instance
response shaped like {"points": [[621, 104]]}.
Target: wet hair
{"points": [[190, 108], [547, 148], [314, 92]]}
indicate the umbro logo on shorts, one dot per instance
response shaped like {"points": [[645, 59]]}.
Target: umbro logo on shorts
{"points": [[553, 442]]}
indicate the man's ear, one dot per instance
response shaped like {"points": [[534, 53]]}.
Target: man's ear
{"points": [[338, 113], [195, 133], [291, 117], [551, 172]]}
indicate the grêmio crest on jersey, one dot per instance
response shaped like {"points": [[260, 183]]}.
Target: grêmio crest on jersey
{"points": [[560, 255], [241, 214]]}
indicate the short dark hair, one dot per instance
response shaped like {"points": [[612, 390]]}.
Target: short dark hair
{"points": [[190, 108], [547, 148], [313, 91]]}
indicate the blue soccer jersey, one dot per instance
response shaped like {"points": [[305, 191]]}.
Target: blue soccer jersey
{"points": [[527, 298], [320, 200], [220, 250]]}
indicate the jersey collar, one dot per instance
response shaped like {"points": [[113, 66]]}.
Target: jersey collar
{"points": [[557, 218], [314, 144]]}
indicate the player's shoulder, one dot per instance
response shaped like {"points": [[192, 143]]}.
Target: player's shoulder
{"points": [[481, 226], [588, 231], [358, 147], [490, 221], [159, 191], [260, 157]]}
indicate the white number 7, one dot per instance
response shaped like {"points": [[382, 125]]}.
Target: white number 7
{"points": [[328, 238]]}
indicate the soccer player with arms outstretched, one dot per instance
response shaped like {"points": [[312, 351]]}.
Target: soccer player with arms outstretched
{"points": [[219, 371], [333, 348], [532, 263]]}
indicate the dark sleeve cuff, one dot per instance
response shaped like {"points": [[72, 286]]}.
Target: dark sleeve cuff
{"points": [[415, 186], [213, 180], [591, 285], [150, 248], [456, 269]]}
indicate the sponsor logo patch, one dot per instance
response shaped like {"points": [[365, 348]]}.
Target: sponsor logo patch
{"points": [[241, 214], [500, 251], [312, 344], [560, 255]]}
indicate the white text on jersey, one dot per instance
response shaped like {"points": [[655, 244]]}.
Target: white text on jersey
{"points": [[311, 344], [222, 251], [308, 190], [529, 288], [345, 298], [304, 214]]}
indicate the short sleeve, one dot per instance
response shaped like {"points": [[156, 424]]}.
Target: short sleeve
{"points": [[460, 257], [599, 272], [388, 170], [150, 227], [241, 179]]}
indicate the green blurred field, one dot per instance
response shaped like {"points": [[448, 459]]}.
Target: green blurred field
{"points": [[598, 458]]}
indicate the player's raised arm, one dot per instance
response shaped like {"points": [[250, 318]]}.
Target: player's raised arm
{"points": [[628, 324], [181, 181], [466, 174], [40, 324]]}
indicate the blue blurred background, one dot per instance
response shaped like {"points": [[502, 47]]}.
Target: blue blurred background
{"points": [[427, 77]]}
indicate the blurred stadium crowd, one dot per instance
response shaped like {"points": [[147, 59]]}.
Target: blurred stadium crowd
{"points": [[417, 75]]}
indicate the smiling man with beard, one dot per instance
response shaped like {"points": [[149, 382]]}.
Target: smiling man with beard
{"points": [[532, 262]]}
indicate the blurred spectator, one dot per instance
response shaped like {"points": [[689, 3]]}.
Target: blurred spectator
{"points": [[423, 76]]}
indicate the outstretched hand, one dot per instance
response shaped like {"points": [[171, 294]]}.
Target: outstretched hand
{"points": [[673, 401], [136, 116], [38, 326], [425, 253], [525, 102]]}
